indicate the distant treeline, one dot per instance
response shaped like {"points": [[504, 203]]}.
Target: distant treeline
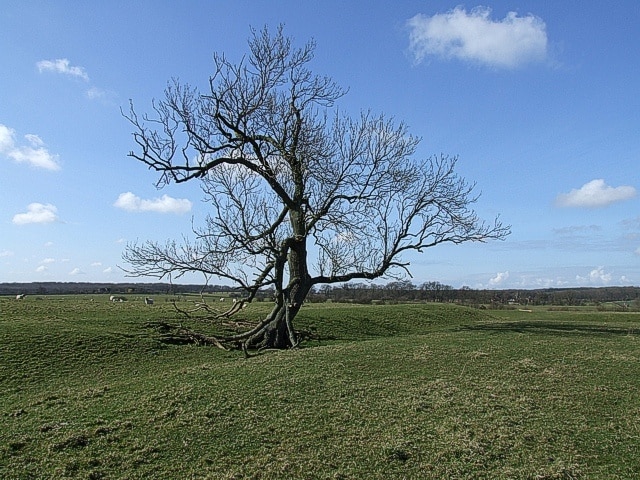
{"points": [[437, 292], [60, 288], [399, 291]]}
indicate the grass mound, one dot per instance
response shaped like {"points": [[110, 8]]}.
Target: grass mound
{"points": [[409, 391]]}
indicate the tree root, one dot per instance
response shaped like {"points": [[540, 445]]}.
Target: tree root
{"points": [[265, 335], [179, 335], [176, 334]]}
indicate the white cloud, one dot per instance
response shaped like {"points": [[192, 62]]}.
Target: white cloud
{"points": [[96, 264], [597, 276], [544, 282], [34, 140], [41, 269], [48, 260], [63, 66], [165, 204], [108, 270], [95, 93], [106, 96], [34, 154], [36, 213], [76, 271], [473, 36], [7, 142], [595, 193], [499, 279], [6, 253], [558, 277]]}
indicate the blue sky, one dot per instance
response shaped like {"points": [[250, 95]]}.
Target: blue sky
{"points": [[539, 99]]}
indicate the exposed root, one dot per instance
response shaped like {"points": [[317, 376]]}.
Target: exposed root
{"points": [[179, 335], [275, 332], [200, 339]]}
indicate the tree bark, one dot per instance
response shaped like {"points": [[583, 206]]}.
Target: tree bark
{"points": [[274, 335], [279, 333]]}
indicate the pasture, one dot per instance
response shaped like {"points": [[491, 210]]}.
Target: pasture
{"points": [[88, 389]]}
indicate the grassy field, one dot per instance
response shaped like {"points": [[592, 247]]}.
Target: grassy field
{"points": [[88, 390]]}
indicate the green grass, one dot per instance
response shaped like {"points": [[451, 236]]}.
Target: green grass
{"points": [[402, 391]]}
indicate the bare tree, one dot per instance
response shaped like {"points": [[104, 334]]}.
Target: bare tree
{"points": [[301, 194]]}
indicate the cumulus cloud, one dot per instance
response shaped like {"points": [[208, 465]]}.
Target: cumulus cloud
{"points": [[595, 193], [76, 271], [6, 253], [499, 279], [41, 269], [34, 154], [597, 276], [565, 277], [165, 204], [63, 66], [48, 260], [37, 213], [108, 270], [473, 36]]}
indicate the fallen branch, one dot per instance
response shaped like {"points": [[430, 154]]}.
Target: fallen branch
{"points": [[179, 335]]}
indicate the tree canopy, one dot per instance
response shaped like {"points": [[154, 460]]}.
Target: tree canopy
{"points": [[301, 194]]}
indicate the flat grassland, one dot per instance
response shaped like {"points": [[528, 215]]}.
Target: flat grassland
{"points": [[88, 389]]}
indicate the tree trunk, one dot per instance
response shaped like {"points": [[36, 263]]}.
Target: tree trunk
{"points": [[274, 334], [279, 332]]}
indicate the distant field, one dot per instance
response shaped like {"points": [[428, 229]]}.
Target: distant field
{"points": [[88, 390]]}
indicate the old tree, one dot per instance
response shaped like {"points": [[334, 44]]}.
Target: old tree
{"points": [[300, 194]]}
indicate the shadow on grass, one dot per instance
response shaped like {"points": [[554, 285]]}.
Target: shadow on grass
{"points": [[554, 328]]}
